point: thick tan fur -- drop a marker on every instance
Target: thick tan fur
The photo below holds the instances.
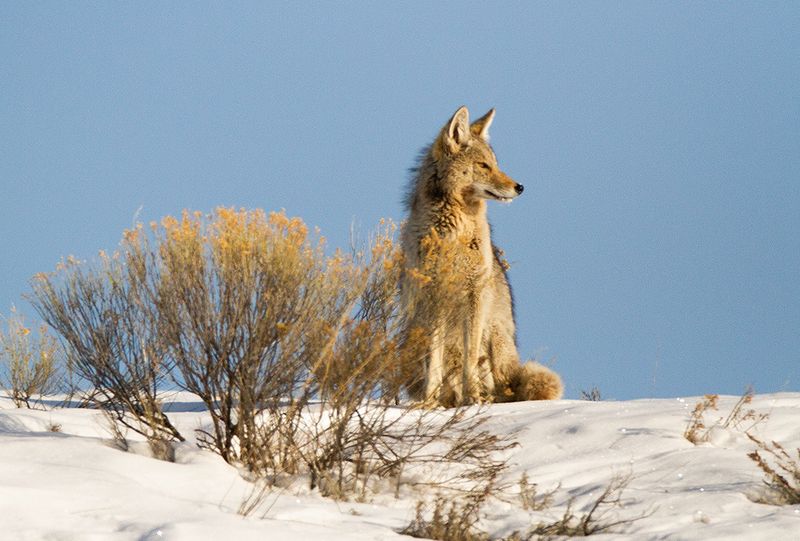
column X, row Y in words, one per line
column 470, row 357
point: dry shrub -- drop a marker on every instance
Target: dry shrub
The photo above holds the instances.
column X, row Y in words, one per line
column 356, row 453
column 742, row 418
column 530, row 496
column 368, row 357
column 781, row 472
column 250, row 310
column 30, row 362
column 696, row 430
column 454, row 513
column 107, row 317
column 592, row 395
column 739, row 418
column 446, row 521
column 599, row 516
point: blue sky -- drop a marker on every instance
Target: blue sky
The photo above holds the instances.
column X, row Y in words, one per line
column 655, row 251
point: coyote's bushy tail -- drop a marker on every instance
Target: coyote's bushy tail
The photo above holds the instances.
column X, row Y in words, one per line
column 531, row 381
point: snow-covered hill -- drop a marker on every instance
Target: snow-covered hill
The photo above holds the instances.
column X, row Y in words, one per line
column 71, row 484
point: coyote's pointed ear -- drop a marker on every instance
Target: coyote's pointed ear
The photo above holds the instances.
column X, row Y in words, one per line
column 456, row 134
column 480, row 128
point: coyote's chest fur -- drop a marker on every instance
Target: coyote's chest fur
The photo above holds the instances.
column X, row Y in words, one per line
column 465, row 232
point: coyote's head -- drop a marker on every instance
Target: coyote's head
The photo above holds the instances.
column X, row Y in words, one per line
column 465, row 165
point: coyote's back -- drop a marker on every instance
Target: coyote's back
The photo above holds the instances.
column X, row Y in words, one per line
column 455, row 287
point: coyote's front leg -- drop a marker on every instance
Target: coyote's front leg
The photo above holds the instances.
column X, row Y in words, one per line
column 475, row 381
column 435, row 369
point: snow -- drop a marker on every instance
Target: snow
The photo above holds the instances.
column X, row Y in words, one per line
column 73, row 485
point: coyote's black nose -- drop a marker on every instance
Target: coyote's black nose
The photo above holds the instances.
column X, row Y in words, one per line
column 519, row 188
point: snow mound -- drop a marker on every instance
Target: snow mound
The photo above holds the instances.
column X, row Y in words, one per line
column 72, row 485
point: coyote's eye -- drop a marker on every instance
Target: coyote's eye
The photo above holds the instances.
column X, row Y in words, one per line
column 485, row 166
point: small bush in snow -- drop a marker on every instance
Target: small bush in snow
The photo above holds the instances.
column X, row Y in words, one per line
column 781, row 472
column 696, row 430
column 29, row 363
column 599, row 517
column 446, row 521
column 453, row 517
column 592, row 395
column 740, row 417
column 531, row 498
column 250, row 307
column 457, row 519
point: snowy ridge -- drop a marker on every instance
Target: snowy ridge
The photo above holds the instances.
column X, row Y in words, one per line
column 71, row 485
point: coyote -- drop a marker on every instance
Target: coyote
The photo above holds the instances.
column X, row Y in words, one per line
column 454, row 285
